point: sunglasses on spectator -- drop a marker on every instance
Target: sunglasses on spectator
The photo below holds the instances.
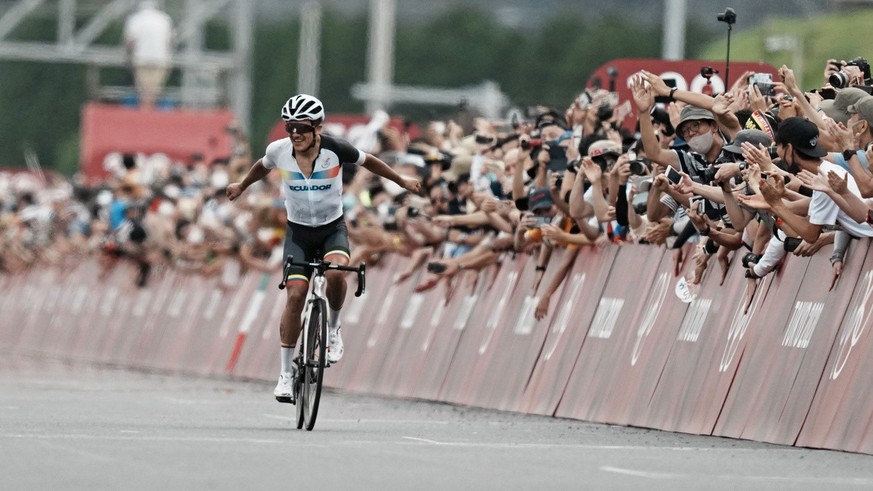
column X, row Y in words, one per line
column 298, row 128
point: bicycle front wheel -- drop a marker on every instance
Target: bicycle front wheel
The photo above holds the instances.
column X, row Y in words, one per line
column 313, row 372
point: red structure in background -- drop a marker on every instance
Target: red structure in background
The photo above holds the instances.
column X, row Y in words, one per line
column 108, row 128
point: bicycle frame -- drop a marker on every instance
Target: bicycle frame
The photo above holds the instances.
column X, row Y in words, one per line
column 316, row 293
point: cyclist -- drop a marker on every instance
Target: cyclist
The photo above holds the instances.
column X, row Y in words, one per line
column 310, row 164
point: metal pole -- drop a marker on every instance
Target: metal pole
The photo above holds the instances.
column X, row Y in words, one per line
column 309, row 58
column 674, row 29
column 381, row 52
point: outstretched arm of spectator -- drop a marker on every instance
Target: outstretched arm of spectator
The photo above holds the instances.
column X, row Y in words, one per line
column 254, row 262
column 662, row 89
column 655, row 210
column 645, row 101
column 563, row 270
column 790, row 84
column 595, row 177
column 845, row 140
column 773, row 195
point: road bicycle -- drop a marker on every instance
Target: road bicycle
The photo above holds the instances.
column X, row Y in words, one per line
column 312, row 343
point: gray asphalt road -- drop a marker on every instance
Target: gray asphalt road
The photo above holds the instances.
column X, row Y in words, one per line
column 85, row 428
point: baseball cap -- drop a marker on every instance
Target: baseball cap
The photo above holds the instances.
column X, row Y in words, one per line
column 754, row 137
column 693, row 113
column 863, row 108
column 802, row 134
column 540, row 199
column 837, row 108
column 603, row 147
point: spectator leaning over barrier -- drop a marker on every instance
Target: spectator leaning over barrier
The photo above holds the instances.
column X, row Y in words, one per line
column 310, row 165
column 797, row 145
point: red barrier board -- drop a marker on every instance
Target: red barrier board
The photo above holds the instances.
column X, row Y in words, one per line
column 799, row 351
column 701, row 365
column 407, row 356
column 632, row 274
column 749, row 400
column 516, row 343
column 444, row 331
column 570, row 312
column 465, row 374
column 664, row 319
column 844, row 399
column 368, row 326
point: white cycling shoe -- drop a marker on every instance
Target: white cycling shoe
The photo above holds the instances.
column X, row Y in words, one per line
column 335, row 345
column 284, row 390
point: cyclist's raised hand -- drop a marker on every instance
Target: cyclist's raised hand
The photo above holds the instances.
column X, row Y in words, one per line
column 411, row 184
column 233, row 190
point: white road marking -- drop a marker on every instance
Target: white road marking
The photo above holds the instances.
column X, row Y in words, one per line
column 483, row 445
column 649, row 475
column 422, row 440
column 858, row 481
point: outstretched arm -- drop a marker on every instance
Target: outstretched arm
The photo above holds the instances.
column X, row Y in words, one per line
column 255, row 174
column 380, row 168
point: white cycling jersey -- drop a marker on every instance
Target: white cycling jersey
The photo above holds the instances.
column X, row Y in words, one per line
column 317, row 199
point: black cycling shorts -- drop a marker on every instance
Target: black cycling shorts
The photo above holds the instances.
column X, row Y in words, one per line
column 305, row 243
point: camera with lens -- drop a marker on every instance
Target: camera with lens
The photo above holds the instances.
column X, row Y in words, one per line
column 639, row 167
column 531, row 143
column 841, row 79
column 729, row 16
column 707, row 175
column 641, row 199
column 604, row 112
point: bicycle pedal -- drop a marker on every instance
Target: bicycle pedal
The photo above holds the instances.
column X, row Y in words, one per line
column 285, row 400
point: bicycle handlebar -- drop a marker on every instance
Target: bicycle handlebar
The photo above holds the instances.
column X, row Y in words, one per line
column 320, row 267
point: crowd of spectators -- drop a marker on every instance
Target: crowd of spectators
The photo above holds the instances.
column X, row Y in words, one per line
column 744, row 177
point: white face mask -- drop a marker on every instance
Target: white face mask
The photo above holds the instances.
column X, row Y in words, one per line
column 701, row 143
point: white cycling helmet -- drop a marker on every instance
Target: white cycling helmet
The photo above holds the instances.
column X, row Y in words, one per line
column 302, row 107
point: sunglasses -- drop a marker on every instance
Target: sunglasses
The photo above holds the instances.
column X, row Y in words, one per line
column 298, row 128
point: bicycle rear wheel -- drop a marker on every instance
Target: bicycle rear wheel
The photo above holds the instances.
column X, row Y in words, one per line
column 313, row 372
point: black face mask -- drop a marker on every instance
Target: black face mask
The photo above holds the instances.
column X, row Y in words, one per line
column 792, row 168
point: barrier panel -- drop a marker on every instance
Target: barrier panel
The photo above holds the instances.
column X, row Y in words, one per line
column 753, row 394
column 406, row 357
column 465, row 374
column 368, row 322
column 571, row 312
column 515, row 343
column 794, row 356
column 663, row 320
column 701, row 363
column 843, row 392
column 590, row 384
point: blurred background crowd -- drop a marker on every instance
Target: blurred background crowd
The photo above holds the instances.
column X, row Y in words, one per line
column 710, row 176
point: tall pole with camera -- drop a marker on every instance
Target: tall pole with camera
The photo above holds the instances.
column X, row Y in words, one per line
column 729, row 16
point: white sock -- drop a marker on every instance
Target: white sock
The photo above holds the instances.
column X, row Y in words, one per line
column 287, row 358
column 333, row 317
